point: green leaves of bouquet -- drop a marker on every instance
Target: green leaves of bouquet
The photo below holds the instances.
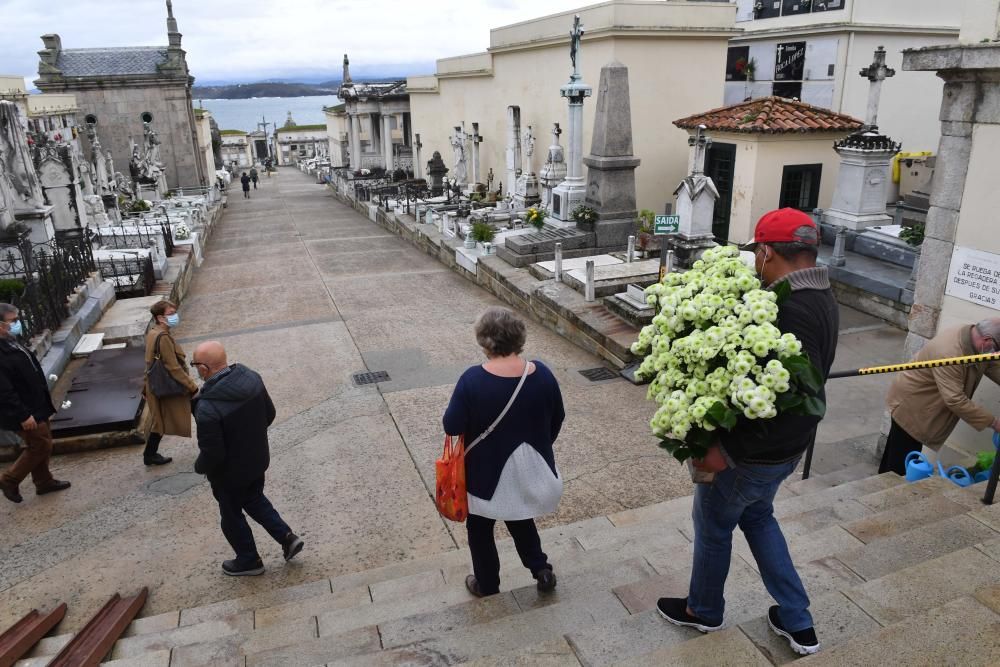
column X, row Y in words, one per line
column 715, row 357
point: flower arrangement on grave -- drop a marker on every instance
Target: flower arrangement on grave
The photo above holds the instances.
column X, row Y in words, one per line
column 644, row 222
column 482, row 232
column 536, row 217
column 181, row 232
column 715, row 356
column 913, row 234
column 584, row 215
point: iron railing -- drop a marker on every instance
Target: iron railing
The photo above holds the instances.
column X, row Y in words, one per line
column 51, row 272
column 132, row 275
column 137, row 236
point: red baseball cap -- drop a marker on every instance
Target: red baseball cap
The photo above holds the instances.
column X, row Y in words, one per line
column 784, row 225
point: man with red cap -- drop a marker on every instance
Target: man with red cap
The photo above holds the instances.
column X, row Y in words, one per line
column 749, row 464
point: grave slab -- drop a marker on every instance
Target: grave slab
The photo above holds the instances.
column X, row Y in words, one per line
column 546, row 270
column 612, row 279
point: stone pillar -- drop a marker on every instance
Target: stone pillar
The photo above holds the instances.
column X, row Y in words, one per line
column 968, row 85
column 611, row 164
column 387, row 141
column 374, row 132
column 418, row 166
column 476, row 140
column 355, row 142
column 570, row 193
column 513, row 152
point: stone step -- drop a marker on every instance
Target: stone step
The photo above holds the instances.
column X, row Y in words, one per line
column 835, row 478
column 889, row 554
column 836, row 618
column 726, row 648
column 909, row 517
column 960, row 632
column 554, row 653
column 928, row 584
column 835, row 495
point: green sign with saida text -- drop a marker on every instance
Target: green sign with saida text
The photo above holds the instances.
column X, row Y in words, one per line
column 666, row 224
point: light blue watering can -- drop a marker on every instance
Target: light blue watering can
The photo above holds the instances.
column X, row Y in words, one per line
column 917, row 467
column 956, row 474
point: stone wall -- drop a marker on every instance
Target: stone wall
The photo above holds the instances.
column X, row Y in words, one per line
column 118, row 111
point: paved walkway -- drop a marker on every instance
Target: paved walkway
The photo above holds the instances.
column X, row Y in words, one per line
column 308, row 292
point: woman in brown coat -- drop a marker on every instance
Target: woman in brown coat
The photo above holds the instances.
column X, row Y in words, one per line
column 171, row 415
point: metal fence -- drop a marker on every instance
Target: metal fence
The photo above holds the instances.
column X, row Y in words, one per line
column 136, row 236
column 132, row 276
column 50, row 273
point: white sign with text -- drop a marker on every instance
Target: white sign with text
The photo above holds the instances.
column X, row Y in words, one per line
column 974, row 276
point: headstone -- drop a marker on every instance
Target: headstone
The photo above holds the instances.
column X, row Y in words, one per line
column 859, row 199
column 460, row 170
column 513, row 151
column 476, row 140
column 554, row 170
column 56, row 166
column 611, row 164
column 436, row 170
column 417, row 164
column 696, row 197
column 571, row 192
column 526, row 188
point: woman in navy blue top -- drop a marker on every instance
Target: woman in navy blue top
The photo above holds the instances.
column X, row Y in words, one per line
column 511, row 474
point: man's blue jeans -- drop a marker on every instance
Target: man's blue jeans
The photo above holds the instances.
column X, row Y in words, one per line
column 744, row 496
column 250, row 499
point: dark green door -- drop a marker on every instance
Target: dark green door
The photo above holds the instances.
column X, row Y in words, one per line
column 720, row 164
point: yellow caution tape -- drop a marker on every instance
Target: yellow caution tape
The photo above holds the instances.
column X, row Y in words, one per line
column 904, row 156
column 916, row 365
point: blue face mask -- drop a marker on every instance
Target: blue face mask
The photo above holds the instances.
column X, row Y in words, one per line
column 173, row 320
column 15, row 328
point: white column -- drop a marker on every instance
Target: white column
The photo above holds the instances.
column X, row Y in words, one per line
column 355, row 137
column 376, row 139
column 387, row 140
column 575, row 162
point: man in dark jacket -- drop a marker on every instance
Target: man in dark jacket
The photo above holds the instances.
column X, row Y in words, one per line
column 233, row 411
column 750, row 465
column 25, row 408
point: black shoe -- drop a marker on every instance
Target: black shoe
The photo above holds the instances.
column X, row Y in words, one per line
column 291, row 546
column 156, row 460
column 675, row 611
column 546, row 580
column 233, row 569
column 52, row 487
column 803, row 642
column 10, row 492
column 473, row 586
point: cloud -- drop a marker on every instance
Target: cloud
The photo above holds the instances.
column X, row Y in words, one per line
column 245, row 40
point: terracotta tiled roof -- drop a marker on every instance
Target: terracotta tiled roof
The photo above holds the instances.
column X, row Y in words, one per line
column 771, row 115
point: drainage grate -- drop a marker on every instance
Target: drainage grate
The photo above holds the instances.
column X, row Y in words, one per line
column 370, row 378
column 598, row 374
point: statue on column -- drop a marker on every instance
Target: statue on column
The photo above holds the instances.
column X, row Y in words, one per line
column 458, row 146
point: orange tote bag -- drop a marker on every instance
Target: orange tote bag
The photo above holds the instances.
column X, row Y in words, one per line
column 450, row 494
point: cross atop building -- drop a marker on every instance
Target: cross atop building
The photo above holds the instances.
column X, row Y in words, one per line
column 876, row 73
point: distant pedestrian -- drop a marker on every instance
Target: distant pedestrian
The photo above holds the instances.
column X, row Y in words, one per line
column 25, row 408
column 511, row 473
column 927, row 403
column 253, row 176
column 171, row 414
column 245, row 180
column 233, row 411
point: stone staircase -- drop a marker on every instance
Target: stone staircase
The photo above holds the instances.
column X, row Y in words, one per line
column 902, row 572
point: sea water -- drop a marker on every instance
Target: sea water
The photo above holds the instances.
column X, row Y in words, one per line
column 246, row 114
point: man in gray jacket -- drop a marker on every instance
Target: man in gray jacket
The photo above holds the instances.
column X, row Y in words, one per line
column 233, row 411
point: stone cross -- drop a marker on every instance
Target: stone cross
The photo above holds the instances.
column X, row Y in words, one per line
column 417, row 165
column 458, row 147
column 346, row 78
column 876, row 73
column 700, row 143
column 476, row 139
column 574, row 46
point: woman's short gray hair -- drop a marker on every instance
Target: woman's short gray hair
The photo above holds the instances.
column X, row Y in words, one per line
column 500, row 332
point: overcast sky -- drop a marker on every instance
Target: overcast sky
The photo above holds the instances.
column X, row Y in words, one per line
column 250, row 40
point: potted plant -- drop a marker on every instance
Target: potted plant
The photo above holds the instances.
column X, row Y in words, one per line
column 535, row 217
column 482, row 232
column 913, row 234
column 585, row 217
column 644, row 224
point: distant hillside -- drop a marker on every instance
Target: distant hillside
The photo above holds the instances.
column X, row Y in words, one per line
column 243, row 91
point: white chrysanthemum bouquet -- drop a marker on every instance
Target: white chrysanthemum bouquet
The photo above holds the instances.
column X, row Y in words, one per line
column 714, row 355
